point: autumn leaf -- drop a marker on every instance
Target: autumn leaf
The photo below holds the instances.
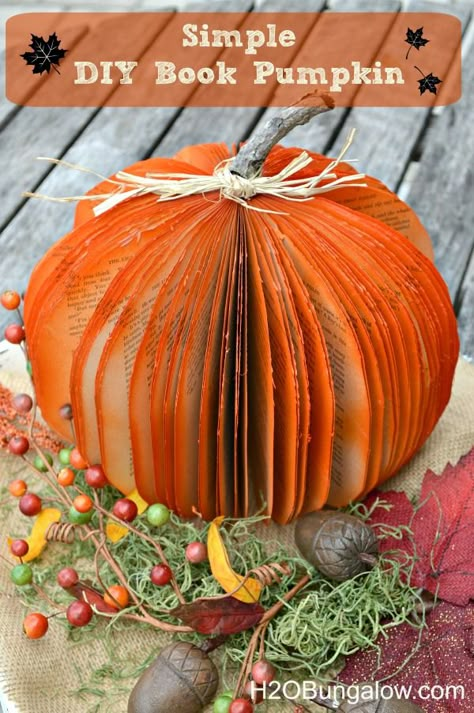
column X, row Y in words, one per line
column 230, row 581
column 415, row 39
column 428, row 83
column 46, row 54
column 442, row 526
column 225, row 615
column 443, row 529
column 86, row 592
column 445, row 657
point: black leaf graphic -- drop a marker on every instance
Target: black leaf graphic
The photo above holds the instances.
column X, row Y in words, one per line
column 46, row 54
column 415, row 39
column 428, row 83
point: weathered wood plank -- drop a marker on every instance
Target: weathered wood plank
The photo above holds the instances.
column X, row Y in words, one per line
column 465, row 304
column 48, row 132
column 442, row 195
column 223, row 124
column 114, row 138
column 51, row 131
column 386, row 137
column 319, row 135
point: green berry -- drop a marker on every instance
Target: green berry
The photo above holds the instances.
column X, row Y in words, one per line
column 222, row 703
column 158, row 514
column 80, row 518
column 64, row 456
column 39, row 464
column 29, row 369
column 21, row 574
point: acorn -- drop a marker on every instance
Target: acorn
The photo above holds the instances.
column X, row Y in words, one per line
column 339, row 545
column 378, row 705
column 182, row 679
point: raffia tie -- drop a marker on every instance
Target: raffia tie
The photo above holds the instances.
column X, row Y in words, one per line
column 172, row 186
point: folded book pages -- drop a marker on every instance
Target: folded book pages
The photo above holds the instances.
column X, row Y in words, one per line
column 227, row 355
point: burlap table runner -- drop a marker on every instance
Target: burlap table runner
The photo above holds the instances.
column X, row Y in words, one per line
column 41, row 676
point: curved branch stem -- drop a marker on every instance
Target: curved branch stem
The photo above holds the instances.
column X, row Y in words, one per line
column 249, row 161
column 143, row 536
column 259, row 633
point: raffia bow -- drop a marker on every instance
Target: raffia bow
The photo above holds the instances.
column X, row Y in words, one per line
column 172, row 186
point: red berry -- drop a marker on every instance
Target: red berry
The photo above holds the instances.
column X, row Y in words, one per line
column 18, row 445
column 22, row 403
column 241, row 705
column 125, row 509
column 95, row 477
column 196, row 552
column 79, row 613
column 66, row 477
column 65, row 412
column 35, row 625
column 263, row 671
column 67, row 577
column 19, row 548
column 17, row 488
column 10, row 300
column 30, row 504
column 76, row 460
column 161, row 574
column 83, row 503
column 14, row 333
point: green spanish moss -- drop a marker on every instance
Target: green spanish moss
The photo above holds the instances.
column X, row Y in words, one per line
column 309, row 638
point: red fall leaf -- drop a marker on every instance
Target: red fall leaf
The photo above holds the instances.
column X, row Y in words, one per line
column 443, row 531
column 444, row 659
column 219, row 616
column 86, row 592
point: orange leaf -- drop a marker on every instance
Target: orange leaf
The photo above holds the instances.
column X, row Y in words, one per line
column 37, row 539
column 221, row 568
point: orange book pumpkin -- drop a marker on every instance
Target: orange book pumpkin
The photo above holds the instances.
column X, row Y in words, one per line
column 221, row 356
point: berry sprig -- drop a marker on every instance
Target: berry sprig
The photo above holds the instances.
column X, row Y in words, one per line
column 84, row 515
column 14, row 332
column 78, row 509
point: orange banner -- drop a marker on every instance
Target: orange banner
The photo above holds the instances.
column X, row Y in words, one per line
column 232, row 59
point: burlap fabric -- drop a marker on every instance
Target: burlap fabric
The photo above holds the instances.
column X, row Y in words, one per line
column 40, row 676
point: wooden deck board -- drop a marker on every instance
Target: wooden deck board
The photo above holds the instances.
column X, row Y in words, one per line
column 442, row 195
column 319, row 135
column 386, row 137
column 228, row 125
column 46, row 132
column 107, row 140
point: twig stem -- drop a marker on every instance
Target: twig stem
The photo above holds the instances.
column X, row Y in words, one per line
column 250, row 159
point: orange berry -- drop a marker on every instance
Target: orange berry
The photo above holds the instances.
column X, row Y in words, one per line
column 116, row 596
column 66, row 477
column 10, row 300
column 17, row 488
column 83, row 503
column 76, row 460
column 35, row 625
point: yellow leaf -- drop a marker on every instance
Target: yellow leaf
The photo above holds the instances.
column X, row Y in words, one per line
column 114, row 531
column 222, row 570
column 37, row 539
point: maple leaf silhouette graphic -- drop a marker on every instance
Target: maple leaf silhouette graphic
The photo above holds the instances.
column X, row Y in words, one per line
column 46, row 54
column 415, row 39
column 428, row 83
